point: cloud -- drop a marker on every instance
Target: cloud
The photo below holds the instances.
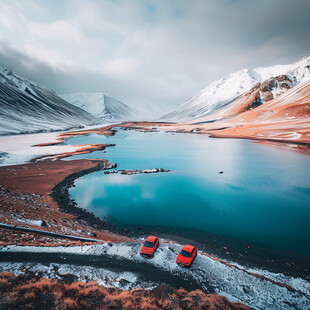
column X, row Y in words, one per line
column 120, row 66
column 69, row 78
column 5, row 21
column 57, row 29
column 44, row 55
column 145, row 51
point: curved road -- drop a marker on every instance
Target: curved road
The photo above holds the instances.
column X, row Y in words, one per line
column 146, row 272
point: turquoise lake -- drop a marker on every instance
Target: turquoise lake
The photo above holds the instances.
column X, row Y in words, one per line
column 262, row 197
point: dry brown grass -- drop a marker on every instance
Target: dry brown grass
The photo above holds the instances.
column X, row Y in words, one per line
column 28, row 291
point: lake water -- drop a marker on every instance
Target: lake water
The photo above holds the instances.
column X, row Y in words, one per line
column 262, row 197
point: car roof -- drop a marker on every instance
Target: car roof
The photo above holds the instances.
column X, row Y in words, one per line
column 151, row 238
column 188, row 248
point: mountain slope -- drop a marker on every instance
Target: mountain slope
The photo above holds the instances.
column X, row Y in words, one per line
column 26, row 106
column 255, row 97
column 221, row 94
column 285, row 118
column 293, row 104
column 100, row 105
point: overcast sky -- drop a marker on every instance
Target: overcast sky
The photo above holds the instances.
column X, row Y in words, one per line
column 159, row 51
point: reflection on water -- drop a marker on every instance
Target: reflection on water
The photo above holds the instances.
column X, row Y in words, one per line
column 262, row 196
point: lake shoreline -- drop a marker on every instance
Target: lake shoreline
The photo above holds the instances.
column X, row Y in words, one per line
column 231, row 249
column 270, row 136
column 102, row 231
column 54, row 191
column 60, row 194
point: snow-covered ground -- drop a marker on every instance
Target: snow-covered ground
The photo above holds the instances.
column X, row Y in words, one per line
column 237, row 284
column 103, row 276
column 20, row 149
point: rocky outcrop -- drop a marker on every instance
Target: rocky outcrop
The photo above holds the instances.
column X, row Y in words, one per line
column 129, row 172
column 274, row 87
column 267, row 91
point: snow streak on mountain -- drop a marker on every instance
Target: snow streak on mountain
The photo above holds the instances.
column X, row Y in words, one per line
column 29, row 107
column 210, row 103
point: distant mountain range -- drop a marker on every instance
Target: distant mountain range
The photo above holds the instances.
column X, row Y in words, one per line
column 101, row 105
column 262, row 95
column 27, row 107
column 222, row 98
column 112, row 110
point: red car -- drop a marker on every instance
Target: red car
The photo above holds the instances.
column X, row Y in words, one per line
column 149, row 247
column 187, row 256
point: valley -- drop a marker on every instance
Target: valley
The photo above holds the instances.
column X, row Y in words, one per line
column 83, row 183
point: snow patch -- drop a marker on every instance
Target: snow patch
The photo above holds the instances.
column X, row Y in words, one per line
column 235, row 284
column 19, row 149
column 102, row 276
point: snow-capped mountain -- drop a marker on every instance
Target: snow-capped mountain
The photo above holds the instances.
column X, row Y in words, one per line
column 113, row 110
column 100, row 105
column 221, row 94
column 255, row 97
column 29, row 107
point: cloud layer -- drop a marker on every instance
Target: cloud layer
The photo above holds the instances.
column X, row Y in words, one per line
column 158, row 52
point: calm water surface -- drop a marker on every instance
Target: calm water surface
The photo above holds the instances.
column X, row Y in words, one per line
column 263, row 196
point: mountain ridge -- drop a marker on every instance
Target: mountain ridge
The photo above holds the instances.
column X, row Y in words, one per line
column 225, row 91
column 28, row 107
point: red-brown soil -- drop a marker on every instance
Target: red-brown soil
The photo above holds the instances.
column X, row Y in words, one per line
column 25, row 194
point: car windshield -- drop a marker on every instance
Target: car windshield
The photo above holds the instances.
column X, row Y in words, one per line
column 185, row 253
column 148, row 244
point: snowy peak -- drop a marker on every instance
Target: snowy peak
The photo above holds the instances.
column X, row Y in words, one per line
column 214, row 97
column 100, row 105
column 9, row 78
column 298, row 71
column 246, row 78
column 255, row 97
column 222, row 93
column 113, row 110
